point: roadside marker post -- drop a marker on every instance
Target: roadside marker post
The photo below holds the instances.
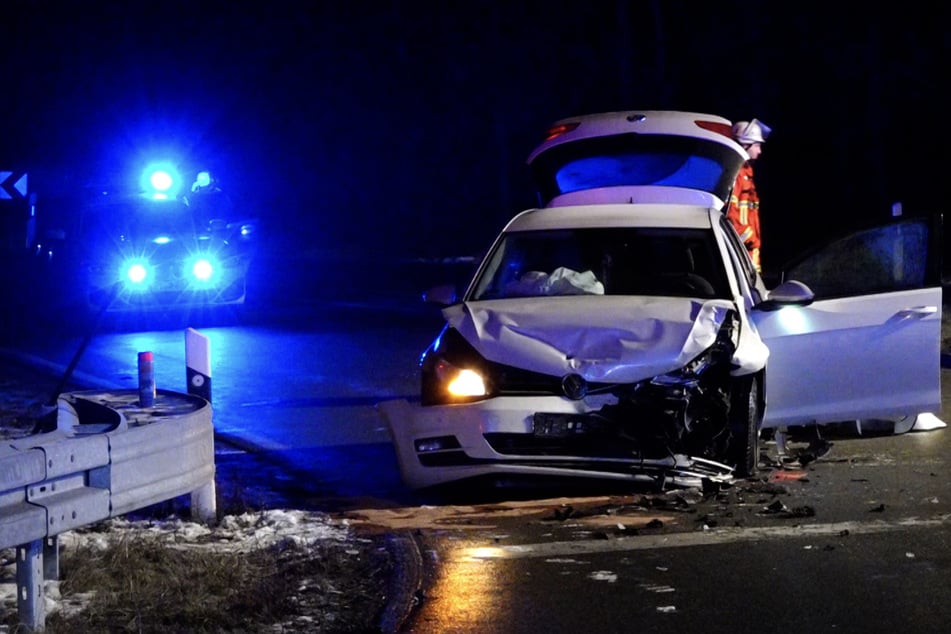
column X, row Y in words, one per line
column 198, row 364
column 146, row 380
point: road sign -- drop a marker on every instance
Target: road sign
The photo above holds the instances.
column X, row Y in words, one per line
column 12, row 185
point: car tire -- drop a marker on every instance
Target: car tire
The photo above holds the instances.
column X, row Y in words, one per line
column 745, row 414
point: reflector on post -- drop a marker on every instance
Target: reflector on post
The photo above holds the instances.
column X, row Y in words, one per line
column 198, row 364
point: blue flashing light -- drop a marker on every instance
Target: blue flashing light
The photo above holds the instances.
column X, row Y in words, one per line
column 161, row 181
column 161, row 240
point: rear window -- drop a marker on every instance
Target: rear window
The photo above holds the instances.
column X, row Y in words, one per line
column 603, row 261
column 636, row 160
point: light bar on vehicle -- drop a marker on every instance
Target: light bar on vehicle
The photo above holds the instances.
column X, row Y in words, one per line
column 161, row 181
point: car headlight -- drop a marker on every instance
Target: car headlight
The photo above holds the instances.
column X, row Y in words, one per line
column 460, row 382
column 136, row 274
column 453, row 372
column 203, row 271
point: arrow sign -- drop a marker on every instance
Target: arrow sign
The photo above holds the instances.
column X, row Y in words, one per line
column 12, row 185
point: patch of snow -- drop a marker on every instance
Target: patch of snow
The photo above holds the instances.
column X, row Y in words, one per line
column 234, row 533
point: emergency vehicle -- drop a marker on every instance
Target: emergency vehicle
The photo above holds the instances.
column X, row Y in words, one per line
column 167, row 242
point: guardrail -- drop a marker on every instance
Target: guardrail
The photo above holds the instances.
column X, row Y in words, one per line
column 108, row 456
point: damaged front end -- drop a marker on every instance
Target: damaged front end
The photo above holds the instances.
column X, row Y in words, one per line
column 684, row 411
column 670, row 428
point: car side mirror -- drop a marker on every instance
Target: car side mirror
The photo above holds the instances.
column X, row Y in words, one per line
column 791, row 293
column 443, row 295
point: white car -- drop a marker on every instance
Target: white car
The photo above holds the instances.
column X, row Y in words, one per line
column 621, row 331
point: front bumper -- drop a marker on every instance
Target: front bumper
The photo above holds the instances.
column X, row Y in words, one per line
column 503, row 437
column 171, row 289
column 230, row 294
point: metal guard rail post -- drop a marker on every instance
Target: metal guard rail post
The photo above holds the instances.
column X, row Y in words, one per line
column 108, row 456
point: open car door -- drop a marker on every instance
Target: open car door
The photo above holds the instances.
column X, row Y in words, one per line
column 868, row 346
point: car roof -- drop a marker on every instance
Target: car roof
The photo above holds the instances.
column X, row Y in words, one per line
column 612, row 215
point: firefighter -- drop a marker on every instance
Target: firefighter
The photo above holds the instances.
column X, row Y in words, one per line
column 743, row 206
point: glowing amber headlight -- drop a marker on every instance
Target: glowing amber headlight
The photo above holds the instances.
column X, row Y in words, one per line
column 467, row 383
column 452, row 372
column 460, row 382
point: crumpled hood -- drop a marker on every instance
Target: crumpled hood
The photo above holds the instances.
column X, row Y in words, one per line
column 602, row 338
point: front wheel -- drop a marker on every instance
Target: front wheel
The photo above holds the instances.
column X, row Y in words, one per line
column 745, row 414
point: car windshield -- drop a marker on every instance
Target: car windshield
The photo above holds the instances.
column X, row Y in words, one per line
column 138, row 218
column 603, row 261
column 636, row 160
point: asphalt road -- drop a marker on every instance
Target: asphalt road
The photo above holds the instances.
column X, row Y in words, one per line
column 856, row 541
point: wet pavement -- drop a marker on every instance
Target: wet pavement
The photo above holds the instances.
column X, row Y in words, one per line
column 856, row 541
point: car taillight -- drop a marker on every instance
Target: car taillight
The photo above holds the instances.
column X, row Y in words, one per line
column 715, row 126
column 559, row 129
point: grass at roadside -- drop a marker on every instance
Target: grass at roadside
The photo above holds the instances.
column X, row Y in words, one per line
column 140, row 583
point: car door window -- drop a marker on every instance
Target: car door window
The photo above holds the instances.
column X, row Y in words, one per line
column 868, row 346
column 883, row 259
column 741, row 257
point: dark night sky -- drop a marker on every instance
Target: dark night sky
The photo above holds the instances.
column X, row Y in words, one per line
column 404, row 126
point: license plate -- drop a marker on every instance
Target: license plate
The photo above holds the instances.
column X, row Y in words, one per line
column 562, row 425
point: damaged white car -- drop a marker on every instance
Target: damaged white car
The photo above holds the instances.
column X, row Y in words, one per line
column 632, row 339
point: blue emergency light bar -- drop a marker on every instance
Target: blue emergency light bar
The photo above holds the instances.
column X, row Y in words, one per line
column 161, row 181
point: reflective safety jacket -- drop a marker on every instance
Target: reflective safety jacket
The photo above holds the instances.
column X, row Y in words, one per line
column 743, row 211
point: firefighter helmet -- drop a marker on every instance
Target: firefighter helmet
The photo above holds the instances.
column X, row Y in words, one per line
column 747, row 132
